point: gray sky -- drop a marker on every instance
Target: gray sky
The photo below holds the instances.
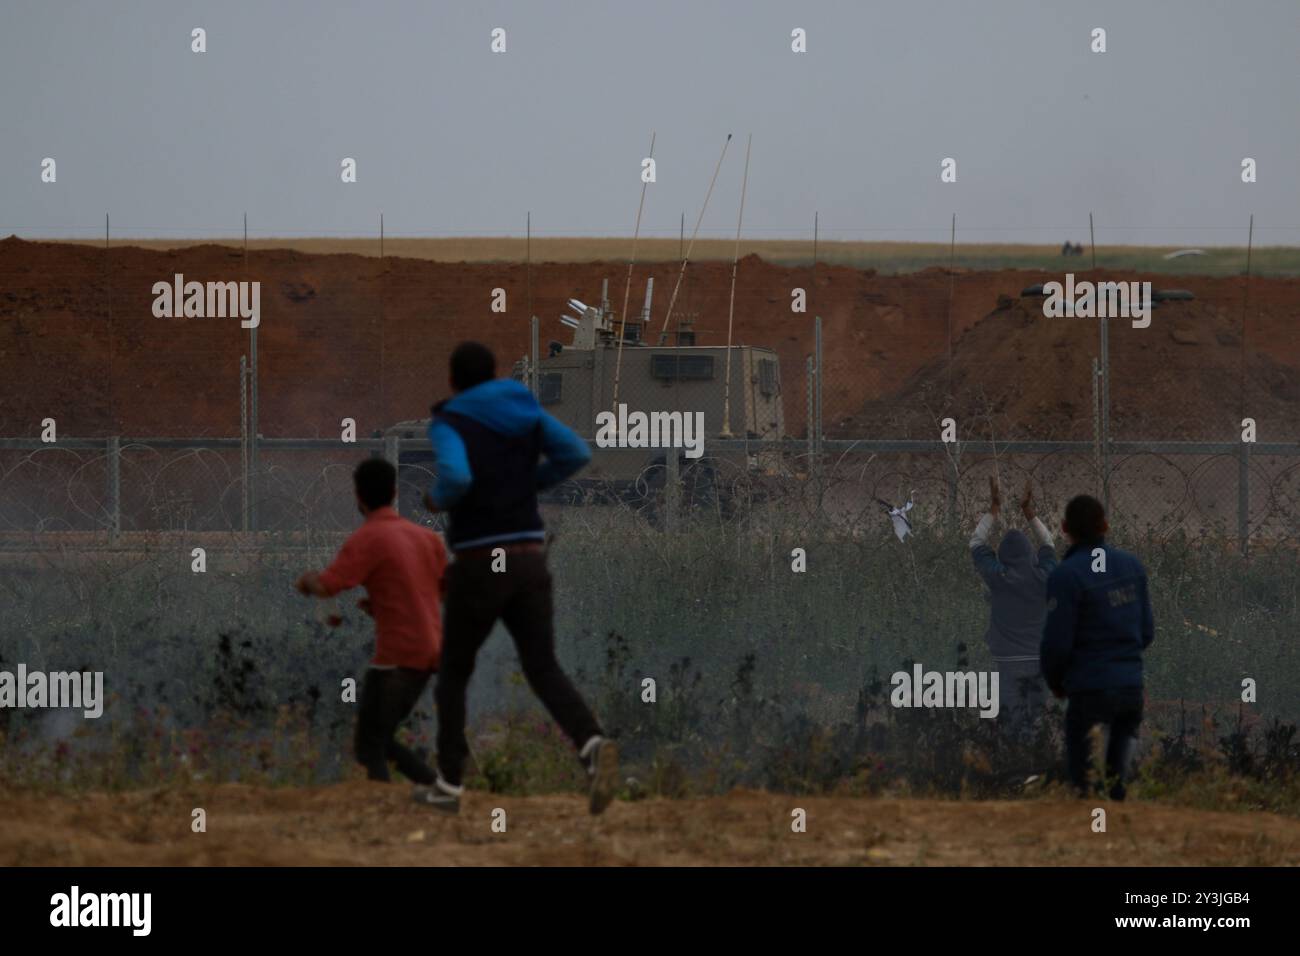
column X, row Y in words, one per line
column 451, row 139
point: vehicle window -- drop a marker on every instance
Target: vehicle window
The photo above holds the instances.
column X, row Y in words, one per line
column 682, row 367
column 550, row 387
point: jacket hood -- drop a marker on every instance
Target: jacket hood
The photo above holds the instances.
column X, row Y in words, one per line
column 503, row 405
column 1015, row 550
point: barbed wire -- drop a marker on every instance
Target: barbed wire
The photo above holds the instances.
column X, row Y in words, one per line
column 199, row 489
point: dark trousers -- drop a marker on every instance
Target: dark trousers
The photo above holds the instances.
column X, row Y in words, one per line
column 520, row 597
column 1120, row 710
column 387, row 697
column 1022, row 696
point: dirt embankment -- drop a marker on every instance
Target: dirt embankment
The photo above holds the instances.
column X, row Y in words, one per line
column 368, row 339
column 1016, row 374
column 370, row 824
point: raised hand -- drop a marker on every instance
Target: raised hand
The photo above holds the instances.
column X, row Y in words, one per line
column 995, row 496
column 1027, row 502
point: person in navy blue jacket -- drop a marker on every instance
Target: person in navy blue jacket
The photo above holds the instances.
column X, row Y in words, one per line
column 494, row 448
column 1098, row 624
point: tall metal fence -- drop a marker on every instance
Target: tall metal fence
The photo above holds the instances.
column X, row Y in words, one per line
column 102, row 489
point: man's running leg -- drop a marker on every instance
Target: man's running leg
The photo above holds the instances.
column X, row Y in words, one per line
column 528, row 615
column 374, row 727
column 407, row 684
column 473, row 600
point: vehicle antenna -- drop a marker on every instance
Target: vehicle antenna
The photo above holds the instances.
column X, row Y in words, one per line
column 663, row 333
column 731, row 305
column 627, row 288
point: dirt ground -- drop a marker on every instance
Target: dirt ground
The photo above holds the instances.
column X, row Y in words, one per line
column 367, row 824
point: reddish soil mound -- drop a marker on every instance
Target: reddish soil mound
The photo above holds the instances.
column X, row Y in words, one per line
column 1017, row 374
column 351, row 336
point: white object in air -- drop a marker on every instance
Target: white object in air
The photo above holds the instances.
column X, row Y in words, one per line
column 1185, row 252
column 902, row 527
column 569, row 321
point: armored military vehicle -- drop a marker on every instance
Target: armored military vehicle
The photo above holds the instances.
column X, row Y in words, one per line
column 608, row 374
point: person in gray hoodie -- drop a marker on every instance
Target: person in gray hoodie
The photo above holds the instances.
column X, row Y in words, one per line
column 1016, row 578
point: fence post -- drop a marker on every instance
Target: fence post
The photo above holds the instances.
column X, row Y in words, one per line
column 243, row 442
column 672, row 489
column 1096, row 418
column 817, row 324
column 254, row 466
column 392, row 454
column 1243, row 498
column 811, row 371
column 534, row 381
column 954, row 481
column 1105, row 414
column 114, row 489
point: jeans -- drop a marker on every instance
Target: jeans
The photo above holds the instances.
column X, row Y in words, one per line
column 1121, row 710
column 520, row 597
column 387, row 697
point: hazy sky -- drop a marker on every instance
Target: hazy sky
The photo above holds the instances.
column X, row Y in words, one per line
column 452, row 139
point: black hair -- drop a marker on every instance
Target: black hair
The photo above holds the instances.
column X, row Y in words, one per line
column 376, row 482
column 472, row 363
column 1085, row 518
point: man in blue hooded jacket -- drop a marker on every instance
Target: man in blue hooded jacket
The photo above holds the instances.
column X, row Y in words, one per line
column 495, row 448
column 1099, row 622
column 1016, row 578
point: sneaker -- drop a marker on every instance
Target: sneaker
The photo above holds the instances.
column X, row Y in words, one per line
column 440, row 795
column 600, row 756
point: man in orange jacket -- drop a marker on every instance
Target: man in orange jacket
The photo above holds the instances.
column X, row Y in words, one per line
column 401, row 565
